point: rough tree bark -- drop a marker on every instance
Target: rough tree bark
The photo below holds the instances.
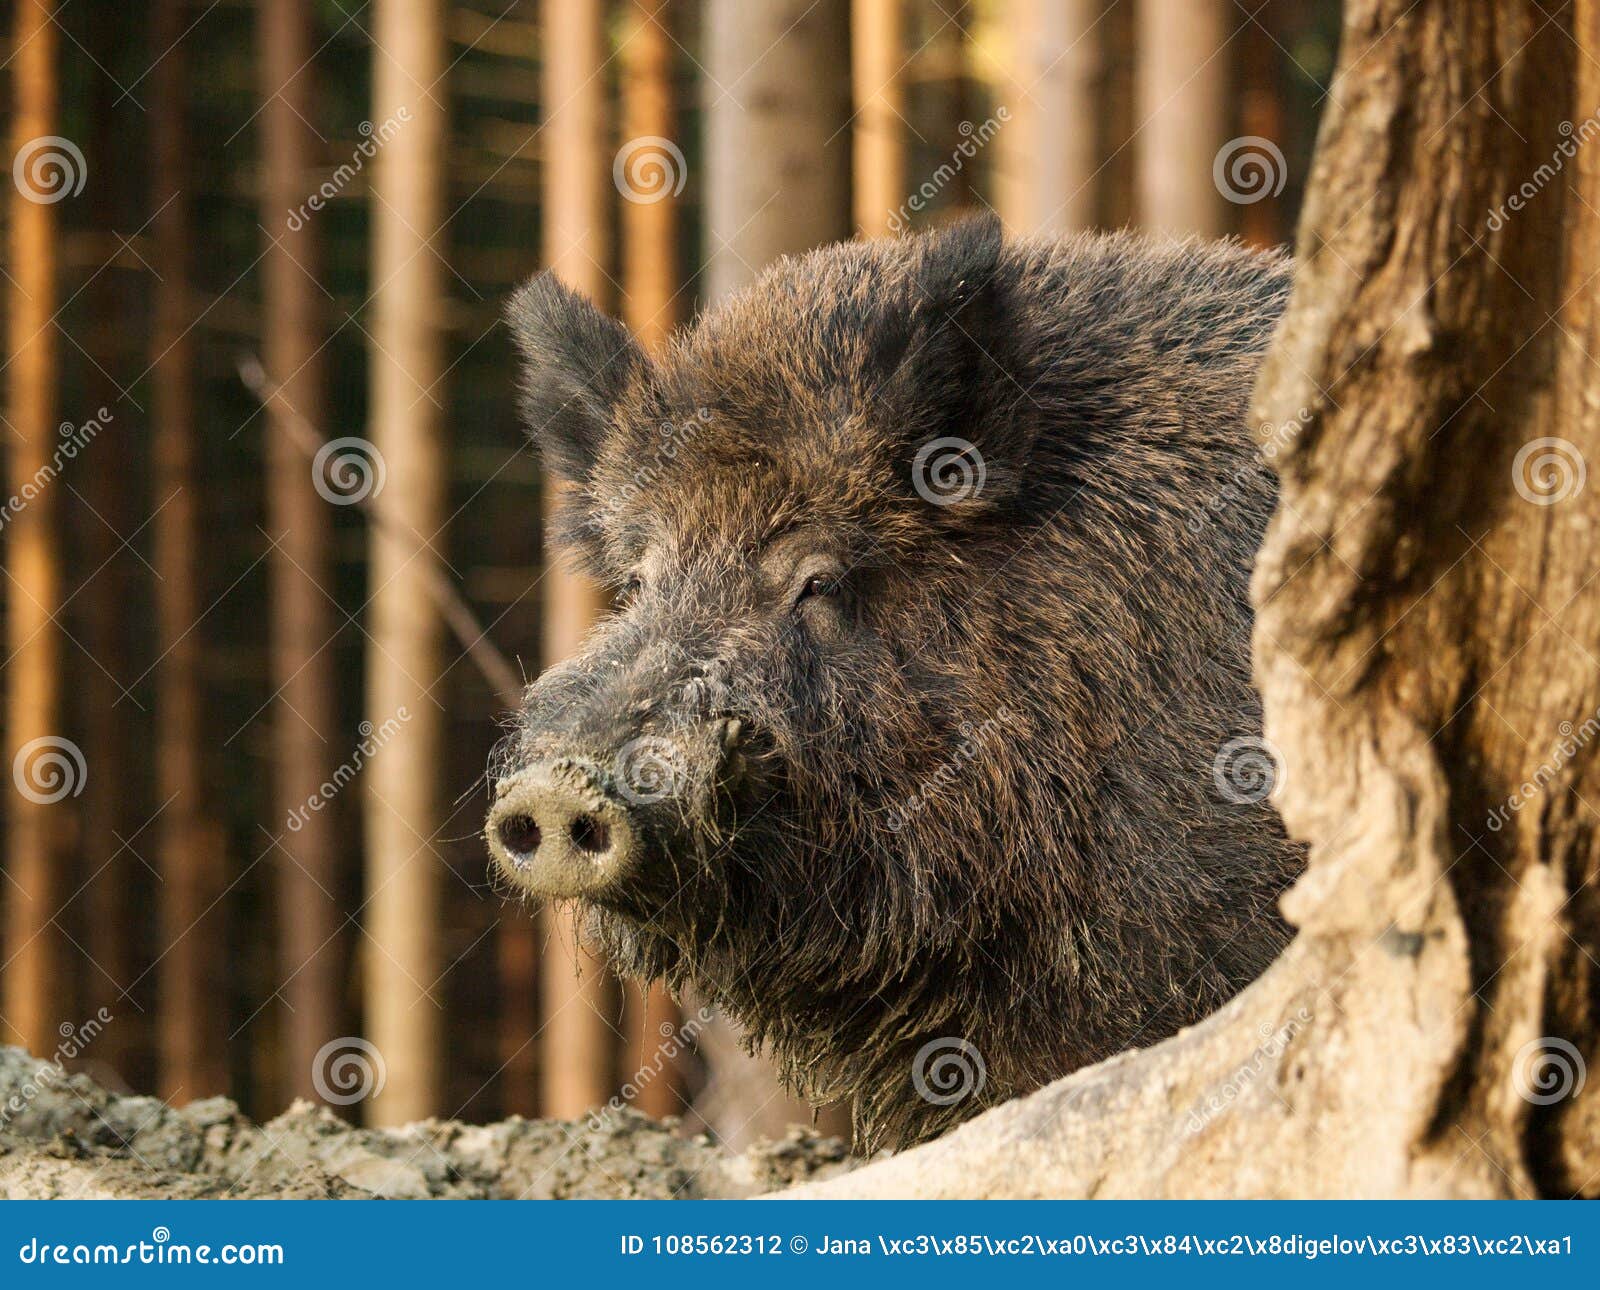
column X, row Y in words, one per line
column 1426, row 637
column 294, row 334
column 578, row 1044
column 402, row 799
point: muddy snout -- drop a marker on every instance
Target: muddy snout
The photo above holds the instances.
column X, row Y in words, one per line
column 559, row 829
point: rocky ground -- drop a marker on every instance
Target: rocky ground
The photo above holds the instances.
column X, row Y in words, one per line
column 65, row 1136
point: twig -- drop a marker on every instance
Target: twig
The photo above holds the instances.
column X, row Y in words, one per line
column 503, row 679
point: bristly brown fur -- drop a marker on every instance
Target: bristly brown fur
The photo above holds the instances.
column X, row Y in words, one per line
column 979, row 799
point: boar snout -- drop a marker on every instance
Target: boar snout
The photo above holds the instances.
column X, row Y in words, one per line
column 558, row 831
column 602, row 827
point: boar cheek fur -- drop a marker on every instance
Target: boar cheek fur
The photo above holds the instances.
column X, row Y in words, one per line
column 1057, row 660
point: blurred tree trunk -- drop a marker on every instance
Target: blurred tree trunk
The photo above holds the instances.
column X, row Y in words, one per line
column 293, row 336
column 1048, row 152
column 1182, row 114
column 878, row 58
column 408, row 491
column 37, row 757
column 1261, row 117
column 578, row 1042
column 777, row 147
column 113, row 796
column 190, row 972
column 777, row 182
column 1428, row 605
column 651, row 292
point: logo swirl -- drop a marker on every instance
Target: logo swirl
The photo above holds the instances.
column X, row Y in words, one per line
column 648, row 169
column 48, row 169
column 1547, row 471
column 1547, row 1069
column 347, row 1070
column 347, row 471
column 649, row 769
column 48, row 769
column 1248, row 169
column 1246, row 770
column 949, row 470
column 948, row 1070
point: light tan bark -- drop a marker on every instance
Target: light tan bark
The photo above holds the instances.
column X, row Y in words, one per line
column 1183, row 52
column 402, row 800
column 1048, row 151
column 305, row 857
column 32, row 690
column 878, row 58
column 1428, row 604
column 577, row 1038
column 777, row 152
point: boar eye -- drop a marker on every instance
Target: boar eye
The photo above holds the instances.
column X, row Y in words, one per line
column 818, row 585
column 632, row 587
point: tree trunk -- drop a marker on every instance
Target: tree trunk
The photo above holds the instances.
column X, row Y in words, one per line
column 402, row 473
column 878, row 59
column 578, row 1040
column 651, row 292
column 192, row 1032
column 1049, row 153
column 777, row 182
column 114, row 796
column 1427, row 604
column 777, row 149
column 44, row 766
column 1182, row 114
column 305, row 857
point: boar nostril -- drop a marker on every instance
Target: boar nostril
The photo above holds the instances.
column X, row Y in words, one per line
column 590, row 834
column 519, row 834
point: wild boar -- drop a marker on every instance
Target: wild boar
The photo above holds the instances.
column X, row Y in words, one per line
column 902, row 744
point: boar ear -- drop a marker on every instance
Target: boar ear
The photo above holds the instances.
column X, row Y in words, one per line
column 577, row 363
column 954, row 365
